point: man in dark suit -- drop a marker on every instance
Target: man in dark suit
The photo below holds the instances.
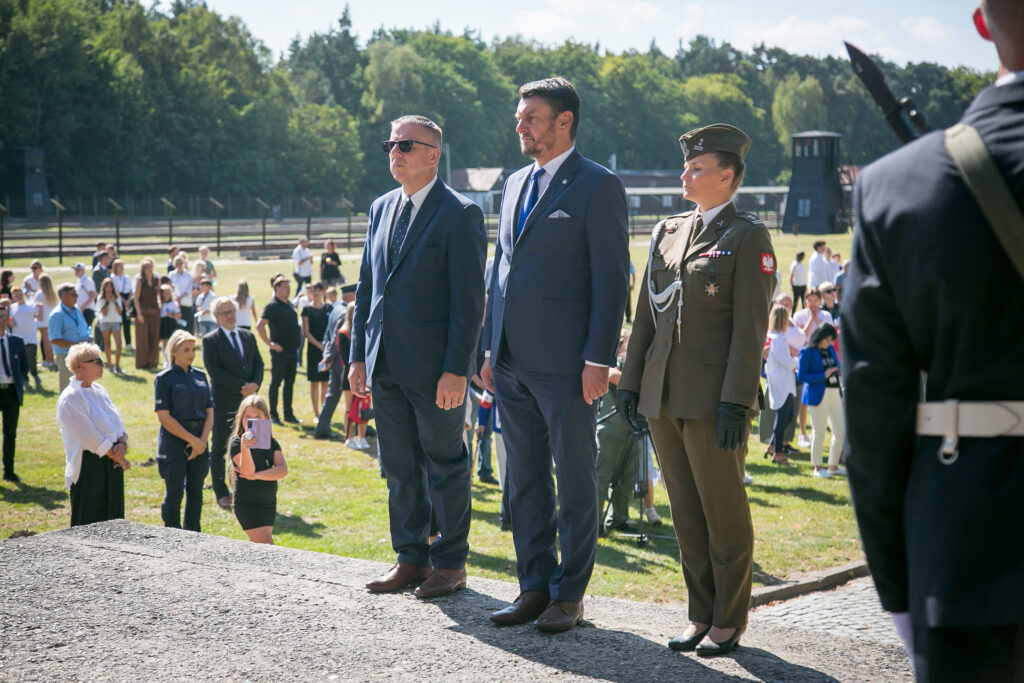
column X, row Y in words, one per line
column 419, row 302
column 13, row 371
column 558, row 292
column 936, row 513
column 235, row 367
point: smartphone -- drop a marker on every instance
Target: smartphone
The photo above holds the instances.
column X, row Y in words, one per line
column 261, row 432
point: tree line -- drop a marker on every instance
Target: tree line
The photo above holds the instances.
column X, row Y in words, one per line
column 126, row 99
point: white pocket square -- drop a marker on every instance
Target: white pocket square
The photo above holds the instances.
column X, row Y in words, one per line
column 559, row 214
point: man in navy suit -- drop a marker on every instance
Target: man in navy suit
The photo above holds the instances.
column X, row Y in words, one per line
column 558, row 292
column 419, row 302
column 13, row 370
column 235, row 366
column 935, row 505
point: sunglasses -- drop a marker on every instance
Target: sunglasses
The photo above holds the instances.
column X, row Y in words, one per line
column 827, row 291
column 404, row 146
column 97, row 361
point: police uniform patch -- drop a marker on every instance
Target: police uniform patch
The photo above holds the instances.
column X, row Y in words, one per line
column 767, row 263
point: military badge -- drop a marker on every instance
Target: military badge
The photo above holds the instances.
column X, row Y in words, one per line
column 767, row 263
column 711, row 288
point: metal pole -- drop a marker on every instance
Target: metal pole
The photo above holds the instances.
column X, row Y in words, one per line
column 3, row 213
column 219, row 207
column 60, row 229
column 117, row 223
column 309, row 217
column 170, row 219
column 263, row 210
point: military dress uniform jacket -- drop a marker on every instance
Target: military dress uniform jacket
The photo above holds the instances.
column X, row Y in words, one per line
column 728, row 275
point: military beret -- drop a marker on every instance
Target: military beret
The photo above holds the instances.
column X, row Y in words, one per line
column 718, row 137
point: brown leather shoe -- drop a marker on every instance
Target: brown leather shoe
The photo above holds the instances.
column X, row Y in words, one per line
column 561, row 615
column 442, row 582
column 527, row 607
column 398, row 577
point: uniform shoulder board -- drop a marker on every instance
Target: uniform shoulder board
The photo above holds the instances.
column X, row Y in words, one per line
column 750, row 217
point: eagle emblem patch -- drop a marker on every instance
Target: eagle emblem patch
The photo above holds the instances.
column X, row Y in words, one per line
column 767, row 263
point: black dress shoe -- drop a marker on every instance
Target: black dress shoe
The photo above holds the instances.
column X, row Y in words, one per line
column 325, row 437
column 684, row 644
column 713, row 649
column 527, row 607
column 292, row 419
column 488, row 479
column 276, row 420
column 12, row 477
column 370, row 431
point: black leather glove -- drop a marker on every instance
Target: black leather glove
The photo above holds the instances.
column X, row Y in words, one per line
column 625, row 405
column 731, row 426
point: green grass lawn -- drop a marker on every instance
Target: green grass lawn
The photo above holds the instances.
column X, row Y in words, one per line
column 334, row 500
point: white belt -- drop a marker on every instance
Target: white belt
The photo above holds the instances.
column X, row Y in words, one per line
column 952, row 419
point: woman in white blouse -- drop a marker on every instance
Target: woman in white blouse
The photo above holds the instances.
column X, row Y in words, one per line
column 780, row 369
column 95, row 442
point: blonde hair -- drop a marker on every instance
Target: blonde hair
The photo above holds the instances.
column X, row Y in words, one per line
column 46, row 288
column 177, row 339
column 75, row 353
column 166, row 289
column 147, row 261
column 350, row 309
column 778, row 318
column 242, row 293
column 113, row 266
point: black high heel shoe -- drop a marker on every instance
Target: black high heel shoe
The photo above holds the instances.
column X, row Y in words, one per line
column 682, row 644
column 713, row 649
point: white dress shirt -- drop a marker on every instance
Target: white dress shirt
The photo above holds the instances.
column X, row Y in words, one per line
column 88, row 421
column 550, row 169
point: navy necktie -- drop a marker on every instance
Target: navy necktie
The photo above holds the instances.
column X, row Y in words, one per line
column 401, row 228
column 3, row 349
column 529, row 201
column 237, row 344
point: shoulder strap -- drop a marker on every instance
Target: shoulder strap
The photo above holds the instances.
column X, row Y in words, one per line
column 989, row 188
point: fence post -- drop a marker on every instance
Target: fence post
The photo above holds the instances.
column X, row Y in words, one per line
column 309, row 217
column 264, row 207
column 117, row 223
column 348, row 230
column 170, row 219
column 3, row 212
column 60, row 229
column 220, row 207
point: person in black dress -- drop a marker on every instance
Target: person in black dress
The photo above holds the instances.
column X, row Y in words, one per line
column 255, row 474
column 330, row 266
column 314, row 324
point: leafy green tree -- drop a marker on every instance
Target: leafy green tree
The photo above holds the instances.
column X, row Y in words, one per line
column 798, row 105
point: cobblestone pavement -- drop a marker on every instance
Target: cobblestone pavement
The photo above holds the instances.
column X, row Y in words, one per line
column 851, row 610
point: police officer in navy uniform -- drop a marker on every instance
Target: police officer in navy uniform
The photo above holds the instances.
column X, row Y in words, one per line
column 184, row 406
column 941, row 525
column 693, row 369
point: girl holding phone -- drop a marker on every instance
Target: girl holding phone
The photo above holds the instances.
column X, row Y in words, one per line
column 255, row 472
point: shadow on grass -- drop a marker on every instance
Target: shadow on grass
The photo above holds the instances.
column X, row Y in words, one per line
column 761, row 502
column 764, row 578
column 42, row 391
column 295, row 524
column 48, row 499
column 805, row 493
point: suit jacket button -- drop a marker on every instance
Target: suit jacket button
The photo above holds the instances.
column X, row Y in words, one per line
column 513, row 267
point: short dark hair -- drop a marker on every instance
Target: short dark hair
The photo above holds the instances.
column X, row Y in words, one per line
column 826, row 331
column 560, row 94
column 728, row 160
column 818, row 244
column 800, row 256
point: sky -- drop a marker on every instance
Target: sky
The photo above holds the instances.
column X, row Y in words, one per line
column 900, row 30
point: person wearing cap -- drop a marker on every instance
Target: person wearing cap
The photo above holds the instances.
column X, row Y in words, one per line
column 692, row 369
column 283, row 343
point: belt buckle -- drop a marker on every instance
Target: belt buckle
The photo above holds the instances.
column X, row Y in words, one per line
column 949, row 449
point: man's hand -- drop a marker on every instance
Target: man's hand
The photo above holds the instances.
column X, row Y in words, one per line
column 487, row 375
column 731, row 426
column 249, row 388
column 626, row 407
column 357, row 379
column 451, row 391
column 595, row 382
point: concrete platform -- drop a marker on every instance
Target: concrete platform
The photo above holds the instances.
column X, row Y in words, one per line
column 127, row 601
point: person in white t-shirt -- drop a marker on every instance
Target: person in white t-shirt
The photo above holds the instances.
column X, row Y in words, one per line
column 25, row 316
column 31, row 282
column 821, row 269
column 303, row 264
column 798, row 278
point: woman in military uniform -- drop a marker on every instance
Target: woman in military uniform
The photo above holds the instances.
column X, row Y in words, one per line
column 693, row 369
column 185, row 409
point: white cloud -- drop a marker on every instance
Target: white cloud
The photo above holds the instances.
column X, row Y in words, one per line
column 927, row 30
column 587, row 20
column 807, row 36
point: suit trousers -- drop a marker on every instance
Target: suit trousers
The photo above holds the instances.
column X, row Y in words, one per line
column 954, row 654
column 224, row 410
column 711, row 516
column 147, row 339
column 545, row 420
column 427, row 467
column 282, row 369
column 334, row 393
column 10, row 408
column 183, row 477
column 98, row 495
